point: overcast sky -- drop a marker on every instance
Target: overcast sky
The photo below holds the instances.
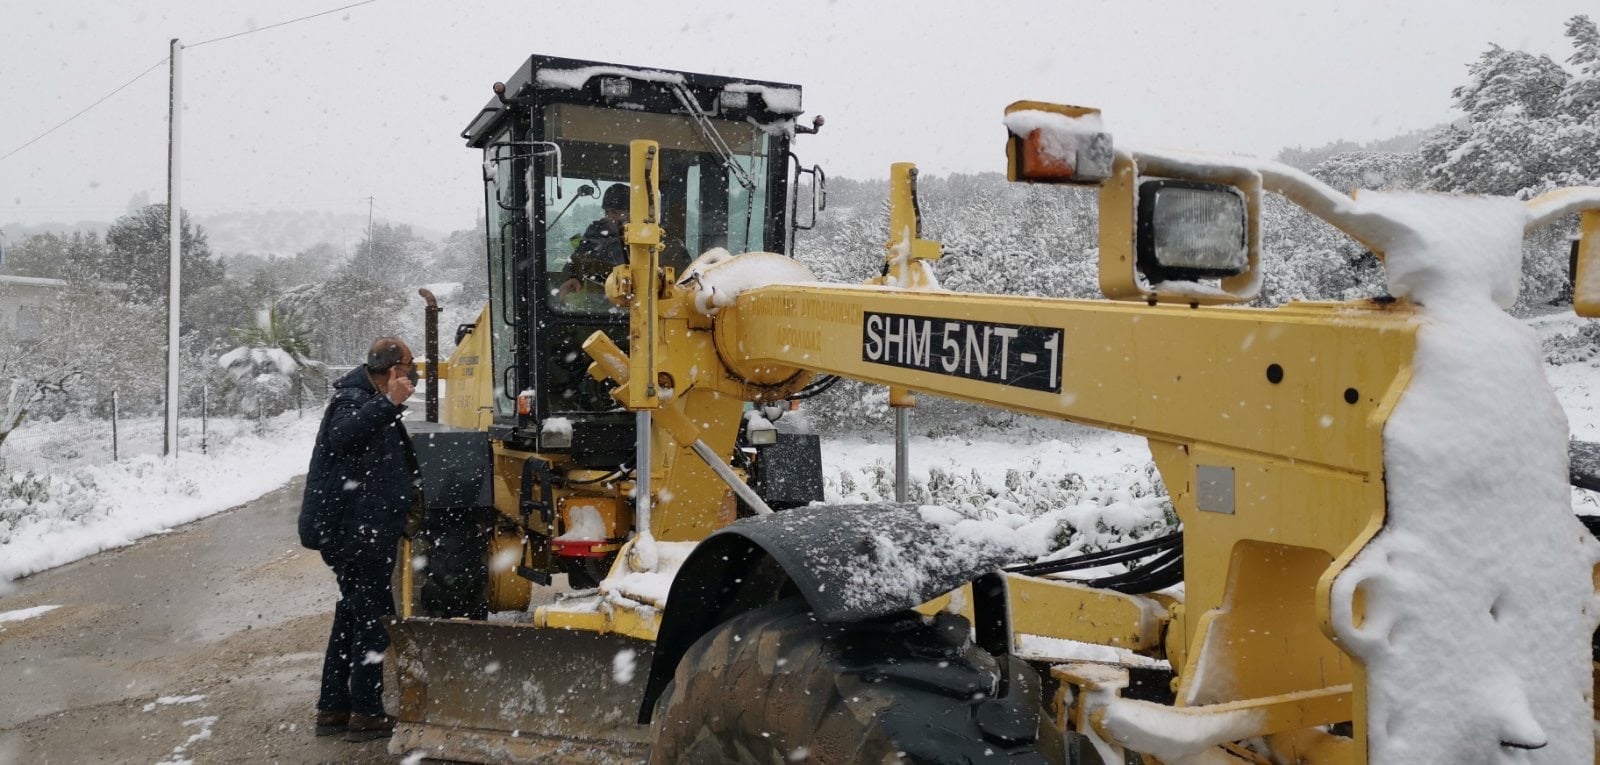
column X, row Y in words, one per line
column 320, row 114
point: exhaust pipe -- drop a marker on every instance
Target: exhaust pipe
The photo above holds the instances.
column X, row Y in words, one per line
column 430, row 335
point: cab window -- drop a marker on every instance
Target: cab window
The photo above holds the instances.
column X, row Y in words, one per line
column 706, row 201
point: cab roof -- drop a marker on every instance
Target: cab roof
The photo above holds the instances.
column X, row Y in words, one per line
column 550, row 79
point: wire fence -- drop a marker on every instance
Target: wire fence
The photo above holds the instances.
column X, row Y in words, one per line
column 121, row 427
column 41, row 443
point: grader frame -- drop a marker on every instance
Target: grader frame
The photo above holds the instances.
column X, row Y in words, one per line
column 1267, row 426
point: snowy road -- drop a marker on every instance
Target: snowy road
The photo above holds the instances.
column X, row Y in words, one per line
column 202, row 644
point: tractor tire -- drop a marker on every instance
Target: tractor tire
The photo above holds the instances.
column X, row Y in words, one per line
column 585, row 573
column 454, row 579
column 777, row 686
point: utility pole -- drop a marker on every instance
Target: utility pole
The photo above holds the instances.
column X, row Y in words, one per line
column 370, row 250
column 175, row 235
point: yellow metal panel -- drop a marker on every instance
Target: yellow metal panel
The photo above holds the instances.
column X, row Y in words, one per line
column 643, row 235
column 1179, row 373
column 640, row 622
column 1057, row 609
column 469, row 382
column 1586, row 279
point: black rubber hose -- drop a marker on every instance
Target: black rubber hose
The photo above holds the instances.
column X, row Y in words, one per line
column 1103, row 557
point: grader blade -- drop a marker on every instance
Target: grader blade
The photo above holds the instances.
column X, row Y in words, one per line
column 491, row 692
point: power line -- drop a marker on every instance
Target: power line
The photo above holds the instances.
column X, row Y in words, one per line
column 152, row 68
column 63, row 123
column 279, row 24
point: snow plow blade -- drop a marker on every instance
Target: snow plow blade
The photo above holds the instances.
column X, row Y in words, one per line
column 498, row 692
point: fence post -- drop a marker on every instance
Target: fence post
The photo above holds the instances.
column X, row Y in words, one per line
column 114, row 403
column 205, row 411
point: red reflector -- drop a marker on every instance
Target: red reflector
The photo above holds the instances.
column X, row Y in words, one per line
column 580, row 548
column 1038, row 163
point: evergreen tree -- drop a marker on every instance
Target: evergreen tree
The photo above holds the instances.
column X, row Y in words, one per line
column 138, row 252
column 1582, row 94
column 393, row 256
column 56, row 256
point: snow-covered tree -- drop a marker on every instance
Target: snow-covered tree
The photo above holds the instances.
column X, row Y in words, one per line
column 1530, row 125
column 394, row 256
column 56, row 256
column 1582, row 93
column 269, row 364
column 27, row 380
column 138, row 251
column 344, row 314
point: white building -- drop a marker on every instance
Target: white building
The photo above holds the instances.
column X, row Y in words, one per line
column 23, row 300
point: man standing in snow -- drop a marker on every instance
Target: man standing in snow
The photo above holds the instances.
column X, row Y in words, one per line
column 362, row 483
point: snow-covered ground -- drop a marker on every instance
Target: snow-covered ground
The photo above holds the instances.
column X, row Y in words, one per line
column 64, row 498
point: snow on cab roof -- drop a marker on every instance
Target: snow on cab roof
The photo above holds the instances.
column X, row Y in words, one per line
column 573, row 79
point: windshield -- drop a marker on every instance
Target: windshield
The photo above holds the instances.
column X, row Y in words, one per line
column 704, row 204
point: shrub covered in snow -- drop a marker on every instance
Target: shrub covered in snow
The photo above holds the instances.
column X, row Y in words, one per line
column 27, row 497
column 1077, row 491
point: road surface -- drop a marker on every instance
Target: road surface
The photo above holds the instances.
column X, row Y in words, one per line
column 229, row 609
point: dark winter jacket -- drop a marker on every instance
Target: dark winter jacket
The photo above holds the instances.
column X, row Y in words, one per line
column 363, row 477
column 600, row 250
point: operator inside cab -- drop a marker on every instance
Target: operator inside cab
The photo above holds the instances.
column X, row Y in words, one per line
column 596, row 253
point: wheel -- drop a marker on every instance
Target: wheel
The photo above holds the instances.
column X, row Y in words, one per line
column 585, row 573
column 776, row 686
column 454, row 579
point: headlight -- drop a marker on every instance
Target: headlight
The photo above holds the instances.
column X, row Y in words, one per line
column 615, row 87
column 758, row 430
column 1189, row 230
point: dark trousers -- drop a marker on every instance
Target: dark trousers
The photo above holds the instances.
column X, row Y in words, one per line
column 352, row 668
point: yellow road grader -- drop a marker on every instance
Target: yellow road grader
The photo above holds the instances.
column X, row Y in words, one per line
column 626, row 556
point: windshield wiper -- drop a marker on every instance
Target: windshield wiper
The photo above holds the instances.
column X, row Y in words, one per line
column 713, row 137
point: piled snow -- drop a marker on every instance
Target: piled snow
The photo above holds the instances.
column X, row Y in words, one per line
column 1480, row 557
column 719, row 277
column 586, row 524
column 575, row 79
column 628, row 586
column 1061, row 650
column 23, row 614
column 167, row 701
column 85, row 506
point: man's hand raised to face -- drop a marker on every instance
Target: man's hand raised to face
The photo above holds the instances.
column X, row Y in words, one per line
column 400, row 387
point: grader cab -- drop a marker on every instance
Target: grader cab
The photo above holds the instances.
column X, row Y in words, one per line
column 1371, row 567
